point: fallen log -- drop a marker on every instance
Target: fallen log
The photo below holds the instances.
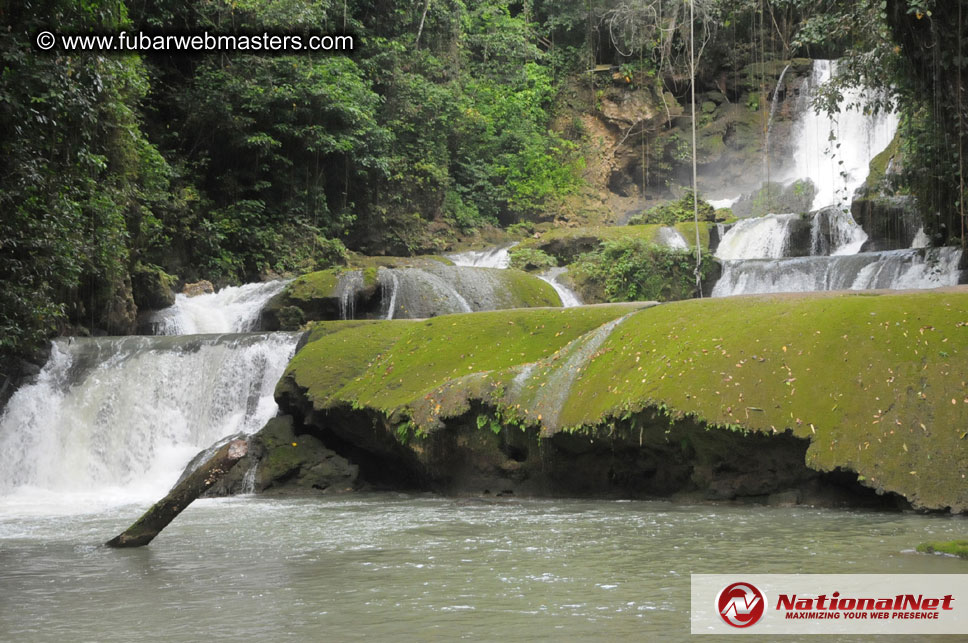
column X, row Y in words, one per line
column 165, row 510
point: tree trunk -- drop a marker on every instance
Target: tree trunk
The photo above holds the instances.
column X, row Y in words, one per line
column 165, row 510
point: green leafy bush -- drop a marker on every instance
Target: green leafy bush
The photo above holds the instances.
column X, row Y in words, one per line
column 531, row 259
column 636, row 270
column 676, row 211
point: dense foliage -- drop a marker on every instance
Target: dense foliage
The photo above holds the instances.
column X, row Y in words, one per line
column 685, row 209
column 636, row 270
column 233, row 166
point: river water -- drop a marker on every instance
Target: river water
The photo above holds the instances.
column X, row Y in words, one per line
column 393, row 566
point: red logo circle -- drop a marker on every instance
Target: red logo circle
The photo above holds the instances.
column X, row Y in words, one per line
column 741, row 604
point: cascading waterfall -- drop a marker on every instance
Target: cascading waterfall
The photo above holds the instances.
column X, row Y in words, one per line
column 762, row 237
column 349, row 284
column 892, row 269
column 834, row 232
column 792, row 253
column 569, row 299
column 769, row 122
column 115, row 419
column 234, row 309
column 671, row 238
column 496, row 257
column 835, row 152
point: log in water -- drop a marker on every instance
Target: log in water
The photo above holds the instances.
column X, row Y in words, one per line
column 144, row 530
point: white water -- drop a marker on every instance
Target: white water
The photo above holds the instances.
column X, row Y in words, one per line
column 233, row 309
column 921, row 240
column 835, row 152
column 724, row 203
column 895, row 269
column 762, row 237
column 834, row 232
column 769, row 123
column 672, row 238
column 114, row 420
column 415, row 293
column 569, row 299
column 496, row 257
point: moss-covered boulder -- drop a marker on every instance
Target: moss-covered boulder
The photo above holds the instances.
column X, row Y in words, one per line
column 426, row 289
column 282, row 460
column 871, row 387
column 152, row 287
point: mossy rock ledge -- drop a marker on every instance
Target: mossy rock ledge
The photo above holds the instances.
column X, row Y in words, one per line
column 427, row 288
column 566, row 244
column 785, row 398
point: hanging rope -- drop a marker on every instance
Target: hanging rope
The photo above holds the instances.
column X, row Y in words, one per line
column 695, row 190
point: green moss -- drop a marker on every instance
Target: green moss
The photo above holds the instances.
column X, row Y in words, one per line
column 315, row 285
column 337, row 353
column 957, row 548
column 364, row 262
column 531, row 259
column 567, row 243
column 877, row 383
column 528, row 291
column 389, row 365
column 878, row 165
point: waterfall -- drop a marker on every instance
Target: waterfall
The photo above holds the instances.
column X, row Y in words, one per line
column 115, row 419
column 234, row 309
column 417, row 293
column 671, row 238
column 569, row 299
column 835, row 152
column 497, row 257
column 834, row 232
column 921, row 240
column 893, row 269
column 762, row 237
column 347, row 288
column 769, row 122
column 438, row 289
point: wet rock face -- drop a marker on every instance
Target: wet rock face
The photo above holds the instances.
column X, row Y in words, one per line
column 280, row 460
column 891, row 222
column 647, row 456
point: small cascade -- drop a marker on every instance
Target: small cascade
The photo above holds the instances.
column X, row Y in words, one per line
column 671, row 238
column 497, row 257
column 569, row 299
column 834, row 232
column 416, row 293
column 233, row 309
column 559, row 374
column 893, row 269
column 347, row 289
column 921, row 240
column 389, row 286
column 835, row 152
column 115, row 419
column 724, row 203
column 762, row 237
column 769, row 122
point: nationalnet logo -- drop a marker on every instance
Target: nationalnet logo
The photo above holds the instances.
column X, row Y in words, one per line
column 830, row 604
column 741, row 604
